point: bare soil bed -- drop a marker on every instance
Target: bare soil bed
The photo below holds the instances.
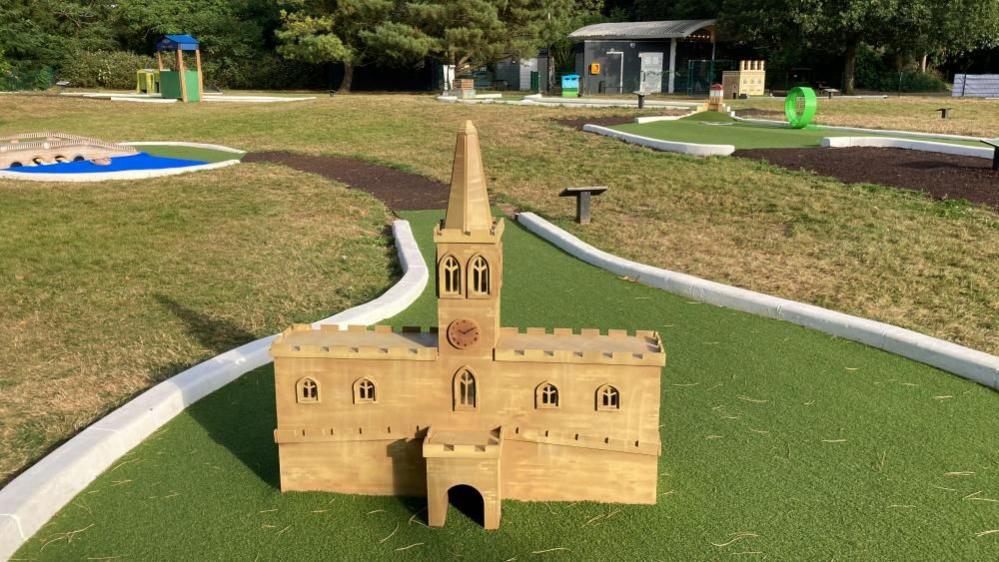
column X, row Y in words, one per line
column 942, row 176
column 399, row 190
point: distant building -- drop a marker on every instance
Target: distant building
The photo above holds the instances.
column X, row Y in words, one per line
column 648, row 56
column 516, row 74
column 535, row 415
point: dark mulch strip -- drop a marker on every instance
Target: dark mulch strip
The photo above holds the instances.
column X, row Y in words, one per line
column 941, row 176
column 400, row 191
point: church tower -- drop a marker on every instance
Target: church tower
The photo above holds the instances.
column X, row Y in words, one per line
column 469, row 258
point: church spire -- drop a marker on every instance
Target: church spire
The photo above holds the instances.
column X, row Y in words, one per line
column 468, row 204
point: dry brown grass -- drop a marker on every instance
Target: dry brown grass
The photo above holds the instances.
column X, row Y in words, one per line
column 82, row 265
column 110, row 288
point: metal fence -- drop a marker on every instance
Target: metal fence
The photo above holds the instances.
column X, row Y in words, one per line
column 36, row 79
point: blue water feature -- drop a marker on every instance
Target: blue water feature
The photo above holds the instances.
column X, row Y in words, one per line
column 140, row 161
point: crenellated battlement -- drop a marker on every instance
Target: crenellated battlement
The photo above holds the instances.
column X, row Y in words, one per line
column 356, row 342
column 588, row 345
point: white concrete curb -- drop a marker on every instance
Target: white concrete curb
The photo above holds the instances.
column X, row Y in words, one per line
column 120, row 175
column 255, row 99
column 667, row 146
column 135, row 100
column 609, row 102
column 157, row 98
column 31, row 499
column 962, row 361
column 924, row 146
column 656, row 118
column 537, row 100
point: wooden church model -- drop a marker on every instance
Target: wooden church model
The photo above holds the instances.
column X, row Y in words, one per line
column 526, row 415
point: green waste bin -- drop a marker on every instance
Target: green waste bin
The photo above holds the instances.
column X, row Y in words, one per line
column 570, row 85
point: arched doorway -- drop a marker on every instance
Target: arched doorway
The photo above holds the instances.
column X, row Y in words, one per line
column 468, row 501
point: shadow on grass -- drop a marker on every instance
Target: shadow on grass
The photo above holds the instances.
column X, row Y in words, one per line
column 241, row 418
column 216, row 334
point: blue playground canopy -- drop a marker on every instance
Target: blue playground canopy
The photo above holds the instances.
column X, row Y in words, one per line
column 140, row 161
column 177, row 43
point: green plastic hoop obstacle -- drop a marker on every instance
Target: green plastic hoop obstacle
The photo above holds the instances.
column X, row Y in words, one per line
column 800, row 120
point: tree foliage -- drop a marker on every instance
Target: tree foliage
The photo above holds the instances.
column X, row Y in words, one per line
column 351, row 32
column 272, row 43
column 905, row 27
column 472, row 33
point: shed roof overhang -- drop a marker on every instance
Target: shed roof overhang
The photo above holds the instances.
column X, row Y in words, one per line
column 641, row 30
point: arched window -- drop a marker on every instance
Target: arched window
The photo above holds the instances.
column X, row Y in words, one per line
column 464, row 390
column 608, row 398
column 478, row 277
column 307, row 391
column 365, row 391
column 78, row 158
column 546, row 396
column 449, row 277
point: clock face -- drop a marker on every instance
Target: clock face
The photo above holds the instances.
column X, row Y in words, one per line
column 463, row 333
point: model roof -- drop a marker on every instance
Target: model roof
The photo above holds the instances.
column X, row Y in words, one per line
column 671, row 29
column 468, row 203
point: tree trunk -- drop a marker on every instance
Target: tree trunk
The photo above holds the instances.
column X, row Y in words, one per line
column 850, row 67
column 922, row 65
column 348, row 78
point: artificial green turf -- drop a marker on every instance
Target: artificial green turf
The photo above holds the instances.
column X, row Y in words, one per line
column 817, row 447
column 189, row 153
column 711, row 127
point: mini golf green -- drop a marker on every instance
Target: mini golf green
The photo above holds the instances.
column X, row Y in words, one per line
column 209, row 155
column 711, row 127
column 778, row 442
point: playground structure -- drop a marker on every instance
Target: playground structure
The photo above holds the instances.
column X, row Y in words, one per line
column 747, row 81
column 147, row 81
column 181, row 83
column 34, row 149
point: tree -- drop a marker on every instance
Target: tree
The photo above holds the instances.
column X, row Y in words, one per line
column 229, row 30
column 944, row 28
column 328, row 31
column 837, row 26
column 473, row 33
column 840, row 26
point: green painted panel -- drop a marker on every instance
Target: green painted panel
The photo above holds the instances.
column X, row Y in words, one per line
column 170, row 84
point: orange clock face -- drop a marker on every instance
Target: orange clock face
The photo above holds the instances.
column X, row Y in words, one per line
column 463, row 333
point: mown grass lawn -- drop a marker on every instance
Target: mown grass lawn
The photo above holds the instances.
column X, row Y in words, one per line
column 778, row 443
column 248, row 249
column 109, row 288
